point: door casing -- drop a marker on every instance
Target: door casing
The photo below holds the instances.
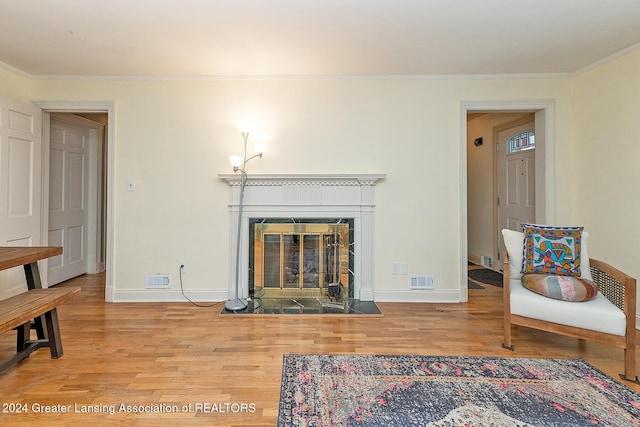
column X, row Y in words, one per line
column 544, row 110
column 109, row 108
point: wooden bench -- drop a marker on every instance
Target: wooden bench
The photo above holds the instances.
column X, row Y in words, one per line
column 39, row 306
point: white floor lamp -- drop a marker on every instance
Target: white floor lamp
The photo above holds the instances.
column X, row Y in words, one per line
column 239, row 164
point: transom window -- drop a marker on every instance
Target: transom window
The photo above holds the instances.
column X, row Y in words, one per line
column 522, row 141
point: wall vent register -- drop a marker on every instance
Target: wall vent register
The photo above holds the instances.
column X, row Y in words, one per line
column 421, row 282
column 158, row 281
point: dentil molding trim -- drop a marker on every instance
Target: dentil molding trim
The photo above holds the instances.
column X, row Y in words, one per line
column 305, row 179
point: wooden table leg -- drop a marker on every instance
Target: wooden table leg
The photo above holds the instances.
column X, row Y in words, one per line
column 32, row 274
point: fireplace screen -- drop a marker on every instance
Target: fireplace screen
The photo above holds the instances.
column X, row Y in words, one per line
column 312, row 256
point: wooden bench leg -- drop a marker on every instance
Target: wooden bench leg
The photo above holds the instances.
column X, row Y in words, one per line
column 38, row 324
column 25, row 345
column 48, row 331
column 24, row 335
column 53, row 333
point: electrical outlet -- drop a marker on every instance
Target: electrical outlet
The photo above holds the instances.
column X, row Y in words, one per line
column 183, row 267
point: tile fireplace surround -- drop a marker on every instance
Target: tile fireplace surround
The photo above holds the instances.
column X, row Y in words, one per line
column 305, row 196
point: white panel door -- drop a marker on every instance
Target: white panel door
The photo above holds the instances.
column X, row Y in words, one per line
column 20, row 185
column 68, row 210
column 516, row 184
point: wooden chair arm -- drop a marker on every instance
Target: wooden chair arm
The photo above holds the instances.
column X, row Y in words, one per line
column 618, row 287
column 505, row 270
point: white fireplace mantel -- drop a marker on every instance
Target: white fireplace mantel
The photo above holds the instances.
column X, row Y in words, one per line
column 305, row 179
column 305, row 196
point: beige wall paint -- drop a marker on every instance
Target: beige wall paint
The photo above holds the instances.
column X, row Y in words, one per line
column 14, row 86
column 174, row 138
column 606, row 160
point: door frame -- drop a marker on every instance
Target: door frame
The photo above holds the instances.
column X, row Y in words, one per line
column 107, row 107
column 544, row 110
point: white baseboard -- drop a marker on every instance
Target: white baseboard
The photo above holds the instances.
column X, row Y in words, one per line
column 168, row 295
column 366, row 295
column 474, row 258
column 441, row 296
column 483, row 260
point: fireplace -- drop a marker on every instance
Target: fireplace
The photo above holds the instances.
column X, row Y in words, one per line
column 312, row 206
column 301, row 257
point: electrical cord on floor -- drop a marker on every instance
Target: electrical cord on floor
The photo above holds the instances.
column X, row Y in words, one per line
column 189, row 299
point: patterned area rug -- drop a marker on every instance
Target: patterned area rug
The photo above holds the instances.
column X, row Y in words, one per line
column 373, row 390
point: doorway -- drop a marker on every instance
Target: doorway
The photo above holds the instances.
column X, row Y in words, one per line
column 103, row 113
column 76, row 194
column 480, row 231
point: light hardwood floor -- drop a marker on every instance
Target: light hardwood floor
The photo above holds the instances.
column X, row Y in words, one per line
column 179, row 354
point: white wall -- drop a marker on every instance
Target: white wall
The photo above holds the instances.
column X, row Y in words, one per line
column 174, row 138
column 606, row 160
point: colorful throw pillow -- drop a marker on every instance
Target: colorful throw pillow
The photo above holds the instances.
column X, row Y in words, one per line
column 565, row 288
column 551, row 250
column 514, row 244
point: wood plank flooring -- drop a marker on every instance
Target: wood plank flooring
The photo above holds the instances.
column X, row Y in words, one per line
column 229, row 367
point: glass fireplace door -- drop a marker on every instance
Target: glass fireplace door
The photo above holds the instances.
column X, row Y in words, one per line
column 292, row 261
column 289, row 257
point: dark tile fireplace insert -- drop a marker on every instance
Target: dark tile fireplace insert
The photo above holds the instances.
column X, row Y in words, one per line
column 303, row 266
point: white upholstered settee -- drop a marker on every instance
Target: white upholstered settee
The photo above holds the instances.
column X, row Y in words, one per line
column 608, row 318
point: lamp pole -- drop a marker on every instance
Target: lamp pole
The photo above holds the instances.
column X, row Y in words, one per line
column 237, row 303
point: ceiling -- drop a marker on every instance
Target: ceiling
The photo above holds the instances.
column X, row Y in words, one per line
column 262, row 38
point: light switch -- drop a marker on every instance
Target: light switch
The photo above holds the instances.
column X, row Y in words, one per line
column 404, row 268
column 131, row 184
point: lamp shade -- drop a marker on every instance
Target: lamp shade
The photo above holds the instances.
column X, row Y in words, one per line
column 260, row 147
column 245, row 126
column 236, row 161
